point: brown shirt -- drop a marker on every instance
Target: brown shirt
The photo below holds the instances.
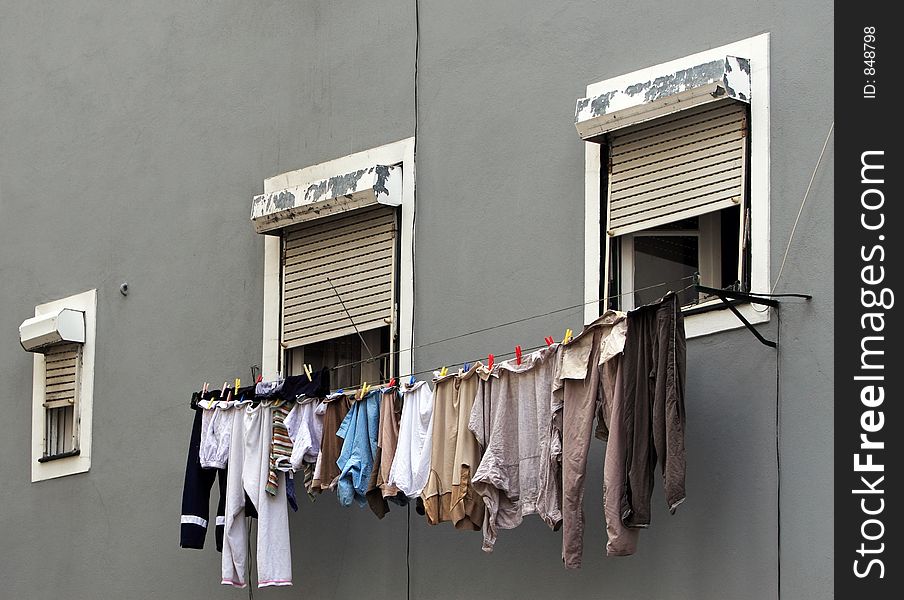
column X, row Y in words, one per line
column 331, row 444
column 387, row 440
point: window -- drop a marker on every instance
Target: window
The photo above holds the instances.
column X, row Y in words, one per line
column 62, row 366
column 676, row 191
column 677, row 182
column 339, row 291
column 338, row 266
column 63, row 386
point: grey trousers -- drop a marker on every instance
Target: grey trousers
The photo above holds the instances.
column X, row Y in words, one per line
column 654, row 374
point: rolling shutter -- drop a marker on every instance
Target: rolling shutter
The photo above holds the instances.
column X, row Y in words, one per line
column 61, row 375
column 677, row 167
column 61, row 378
column 356, row 251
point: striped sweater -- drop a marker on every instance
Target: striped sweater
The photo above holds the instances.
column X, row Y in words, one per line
column 280, row 448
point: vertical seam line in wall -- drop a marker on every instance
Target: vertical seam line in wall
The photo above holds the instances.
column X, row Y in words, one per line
column 778, row 456
column 417, row 50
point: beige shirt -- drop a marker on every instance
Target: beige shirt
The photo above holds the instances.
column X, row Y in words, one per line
column 454, row 454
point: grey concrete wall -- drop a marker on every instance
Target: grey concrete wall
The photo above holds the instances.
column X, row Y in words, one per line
column 132, row 137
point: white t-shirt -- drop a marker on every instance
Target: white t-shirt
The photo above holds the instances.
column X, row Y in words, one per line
column 411, row 464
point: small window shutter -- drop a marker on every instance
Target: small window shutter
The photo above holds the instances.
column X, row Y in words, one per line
column 61, row 383
column 61, row 375
column 681, row 166
column 357, row 252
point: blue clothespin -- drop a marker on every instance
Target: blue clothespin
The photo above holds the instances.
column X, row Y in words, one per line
column 411, row 380
column 467, row 367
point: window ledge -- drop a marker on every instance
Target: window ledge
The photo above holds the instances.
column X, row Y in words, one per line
column 714, row 317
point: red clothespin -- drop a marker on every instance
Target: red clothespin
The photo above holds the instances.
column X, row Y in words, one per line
column 490, row 362
column 549, row 340
column 392, row 382
column 518, row 355
column 260, row 378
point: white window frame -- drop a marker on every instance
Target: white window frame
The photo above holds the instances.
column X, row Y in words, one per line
column 400, row 152
column 85, row 302
column 757, row 50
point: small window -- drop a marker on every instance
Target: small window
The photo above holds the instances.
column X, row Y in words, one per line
column 62, row 366
column 676, row 189
column 62, row 384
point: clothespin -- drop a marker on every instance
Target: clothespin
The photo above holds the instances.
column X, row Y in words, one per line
column 238, row 383
column 549, row 340
column 392, row 382
column 466, row 367
column 567, row 338
column 260, row 378
column 443, row 371
column 518, row 355
column 411, row 380
column 490, row 362
column 363, row 390
column 309, row 372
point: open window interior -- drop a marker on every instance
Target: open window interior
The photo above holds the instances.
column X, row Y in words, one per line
column 349, row 357
column 340, row 285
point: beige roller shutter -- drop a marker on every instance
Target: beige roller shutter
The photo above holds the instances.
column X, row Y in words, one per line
column 677, row 167
column 61, row 382
column 357, row 252
column 61, row 375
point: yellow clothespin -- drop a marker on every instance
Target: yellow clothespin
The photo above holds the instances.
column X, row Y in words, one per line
column 364, row 388
column 309, row 372
column 567, row 338
column 443, row 371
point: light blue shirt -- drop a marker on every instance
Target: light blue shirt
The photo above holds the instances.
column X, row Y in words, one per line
column 356, row 461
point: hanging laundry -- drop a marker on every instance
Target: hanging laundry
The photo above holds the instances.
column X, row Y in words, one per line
column 196, row 491
column 411, row 463
column 305, row 426
column 467, row 507
column 654, row 373
column 326, row 471
column 380, row 493
column 510, row 420
column 297, row 387
column 359, row 432
column 216, row 433
column 454, row 452
column 249, row 460
column 268, row 389
column 587, row 389
column 280, row 447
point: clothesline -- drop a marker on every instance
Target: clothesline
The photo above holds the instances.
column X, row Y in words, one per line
column 500, row 325
column 479, row 452
column 485, row 329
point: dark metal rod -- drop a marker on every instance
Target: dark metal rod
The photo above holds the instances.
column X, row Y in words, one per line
column 746, row 323
column 737, row 296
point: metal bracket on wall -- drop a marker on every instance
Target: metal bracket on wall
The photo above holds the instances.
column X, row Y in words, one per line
column 766, row 300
